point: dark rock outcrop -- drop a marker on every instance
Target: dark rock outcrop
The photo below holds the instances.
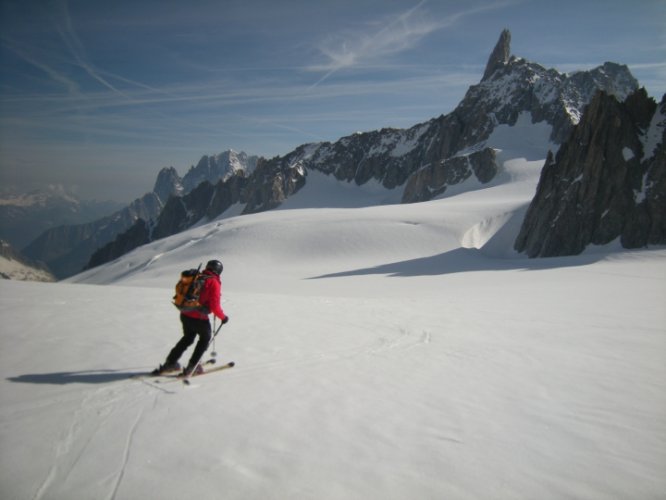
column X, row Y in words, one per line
column 134, row 237
column 272, row 182
column 602, row 184
column 499, row 56
column 434, row 179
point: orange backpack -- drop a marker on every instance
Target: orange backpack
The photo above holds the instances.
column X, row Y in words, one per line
column 188, row 290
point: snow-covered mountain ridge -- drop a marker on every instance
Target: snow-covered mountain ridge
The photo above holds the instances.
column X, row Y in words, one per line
column 67, row 248
column 212, row 169
column 419, row 163
column 511, row 87
column 38, row 198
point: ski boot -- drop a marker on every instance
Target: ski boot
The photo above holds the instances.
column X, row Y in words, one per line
column 191, row 371
column 166, row 368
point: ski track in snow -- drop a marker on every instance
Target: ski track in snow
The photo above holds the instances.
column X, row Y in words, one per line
column 65, row 458
column 88, row 423
column 126, row 454
column 402, row 340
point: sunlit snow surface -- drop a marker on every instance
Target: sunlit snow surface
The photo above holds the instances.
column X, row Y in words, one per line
column 382, row 352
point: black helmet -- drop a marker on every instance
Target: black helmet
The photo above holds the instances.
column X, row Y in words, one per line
column 215, row 266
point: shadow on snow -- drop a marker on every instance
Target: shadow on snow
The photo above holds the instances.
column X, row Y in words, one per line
column 82, row 377
column 463, row 260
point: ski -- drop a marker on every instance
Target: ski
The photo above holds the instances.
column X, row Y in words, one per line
column 186, row 379
column 179, row 373
column 171, row 373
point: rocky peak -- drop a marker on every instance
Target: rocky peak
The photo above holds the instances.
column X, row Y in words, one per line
column 167, row 184
column 218, row 167
column 500, row 54
column 601, row 185
column 519, row 86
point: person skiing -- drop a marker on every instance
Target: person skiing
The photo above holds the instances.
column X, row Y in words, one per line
column 195, row 323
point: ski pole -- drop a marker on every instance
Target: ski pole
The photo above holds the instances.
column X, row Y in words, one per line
column 214, row 353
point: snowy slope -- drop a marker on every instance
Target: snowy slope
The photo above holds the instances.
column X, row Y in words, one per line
column 14, row 266
column 383, row 352
column 15, row 270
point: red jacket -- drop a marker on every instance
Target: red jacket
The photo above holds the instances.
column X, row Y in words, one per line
column 210, row 298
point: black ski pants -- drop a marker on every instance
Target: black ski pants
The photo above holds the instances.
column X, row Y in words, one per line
column 192, row 328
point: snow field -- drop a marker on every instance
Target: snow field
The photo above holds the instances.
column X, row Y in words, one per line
column 390, row 352
column 503, row 384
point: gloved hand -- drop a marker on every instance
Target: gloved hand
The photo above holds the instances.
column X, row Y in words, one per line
column 225, row 320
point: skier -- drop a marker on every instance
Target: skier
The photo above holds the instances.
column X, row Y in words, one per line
column 197, row 323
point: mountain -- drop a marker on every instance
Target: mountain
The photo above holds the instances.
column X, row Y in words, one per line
column 219, row 168
column 24, row 216
column 419, row 163
column 15, row 266
column 510, row 89
column 607, row 181
column 67, row 248
column 209, row 169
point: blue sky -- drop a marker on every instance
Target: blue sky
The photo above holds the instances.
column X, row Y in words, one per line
column 99, row 95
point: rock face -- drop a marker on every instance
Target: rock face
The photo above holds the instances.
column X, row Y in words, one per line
column 433, row 180
column 134, row 237
column 500, row 55
column 607, row 181
column 272, row 182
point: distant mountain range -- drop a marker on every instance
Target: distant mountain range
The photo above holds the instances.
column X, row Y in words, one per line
column 420, row 163
column 23, row 217
column 67, row 248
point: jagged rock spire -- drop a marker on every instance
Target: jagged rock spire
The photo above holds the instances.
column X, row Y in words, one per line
column 168, row 183
column 500, row 54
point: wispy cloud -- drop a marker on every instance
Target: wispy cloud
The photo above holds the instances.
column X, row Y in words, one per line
column 48, row 69
column 396, row 35
column 76, row 48
column 400, row 33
